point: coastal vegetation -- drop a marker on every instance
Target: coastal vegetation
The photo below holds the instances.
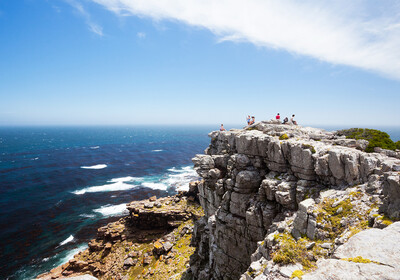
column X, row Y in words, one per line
column 376, row 138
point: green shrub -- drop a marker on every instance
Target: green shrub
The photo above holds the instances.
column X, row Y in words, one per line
column 310, row 147
column 376, row 138
column 398, row 145
column 292, row 251
column 283, row 137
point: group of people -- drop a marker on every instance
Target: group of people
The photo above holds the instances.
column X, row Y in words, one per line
column 252, row 120
column 286, row 120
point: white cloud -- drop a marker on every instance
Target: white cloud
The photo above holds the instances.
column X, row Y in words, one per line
column 141, row 35
column 93, row 27
column 359, row 33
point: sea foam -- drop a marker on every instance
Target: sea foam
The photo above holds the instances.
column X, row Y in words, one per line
column 178, row 179
column 112, row 210
column 117, row 184
column 97, row 166
column 69, row 255
column 155, row 186
column 69, row 239
column 182, row 177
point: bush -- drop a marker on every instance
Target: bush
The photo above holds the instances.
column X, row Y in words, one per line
column 376, row 138
column 398, row 145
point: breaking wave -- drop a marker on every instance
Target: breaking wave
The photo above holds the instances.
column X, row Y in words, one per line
column 117, row 184
column 69, row 239
column 97, row 166
column 112, row 210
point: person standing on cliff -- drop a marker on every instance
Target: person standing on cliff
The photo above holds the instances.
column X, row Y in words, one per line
column 292, row 120
column 248, row 119
column 278, row 117
column 222, row 128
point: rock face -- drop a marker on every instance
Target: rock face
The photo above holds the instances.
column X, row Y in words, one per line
column 255, row 184
column 371, row 254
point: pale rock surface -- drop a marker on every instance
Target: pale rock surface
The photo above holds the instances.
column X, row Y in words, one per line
column 255, row 185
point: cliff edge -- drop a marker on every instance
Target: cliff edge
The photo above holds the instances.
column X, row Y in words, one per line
column 283, row 201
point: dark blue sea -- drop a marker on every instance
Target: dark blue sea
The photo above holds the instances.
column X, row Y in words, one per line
column 59, row 184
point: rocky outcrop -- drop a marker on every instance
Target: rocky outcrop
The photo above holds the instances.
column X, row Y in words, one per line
column 371, row 254
column 152, row 242
column 272, row 183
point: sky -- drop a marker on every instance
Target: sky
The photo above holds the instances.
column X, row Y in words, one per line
column 191, row 62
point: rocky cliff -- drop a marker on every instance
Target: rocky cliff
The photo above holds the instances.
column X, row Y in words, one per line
column 283, row 201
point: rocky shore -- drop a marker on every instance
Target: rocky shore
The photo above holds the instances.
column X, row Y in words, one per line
column 277, row 202
column 153, row 242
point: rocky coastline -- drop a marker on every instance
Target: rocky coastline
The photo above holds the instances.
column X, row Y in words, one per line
column 274, row 202
column 152, row 242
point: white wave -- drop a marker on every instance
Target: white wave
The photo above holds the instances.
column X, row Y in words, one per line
column 173, row 169
column 112, row 210
column 36, row 158
column 95, row 147
column 97, row 166
column 157, row 151
column 69, row 239
column 70, row 254
column 118, row 184
column 126, row 179
column 178, row 180
column 87, row 216
column 155, row 186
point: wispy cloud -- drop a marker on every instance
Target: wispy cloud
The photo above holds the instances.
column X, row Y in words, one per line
column 92, row 26
column 141, row 35
column 358, row 33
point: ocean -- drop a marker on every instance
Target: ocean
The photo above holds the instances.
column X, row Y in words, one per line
column 59, row 184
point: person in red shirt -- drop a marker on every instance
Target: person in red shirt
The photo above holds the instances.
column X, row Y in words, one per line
column 278, row 117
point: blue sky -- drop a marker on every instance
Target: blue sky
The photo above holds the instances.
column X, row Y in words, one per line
column 106, row 62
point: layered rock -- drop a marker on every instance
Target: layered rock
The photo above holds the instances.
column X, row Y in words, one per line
column 152, row 242
column 268, row 178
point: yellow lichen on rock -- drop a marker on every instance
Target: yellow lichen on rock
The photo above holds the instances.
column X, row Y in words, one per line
column 297, row 274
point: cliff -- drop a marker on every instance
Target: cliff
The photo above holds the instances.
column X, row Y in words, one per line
column 283, row 201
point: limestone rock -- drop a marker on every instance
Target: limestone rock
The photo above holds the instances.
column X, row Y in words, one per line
column 380, row 245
